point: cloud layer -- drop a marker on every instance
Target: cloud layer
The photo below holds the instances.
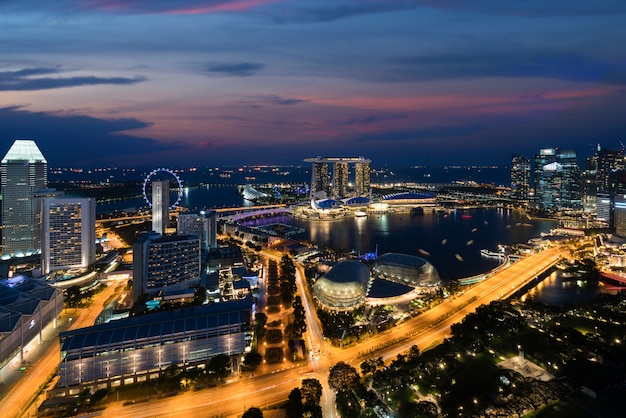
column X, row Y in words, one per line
column 36, row 79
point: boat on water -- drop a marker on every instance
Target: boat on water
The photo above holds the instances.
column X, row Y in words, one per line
column 360, row 213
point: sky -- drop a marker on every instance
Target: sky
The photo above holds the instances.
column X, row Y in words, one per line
column 140, row 83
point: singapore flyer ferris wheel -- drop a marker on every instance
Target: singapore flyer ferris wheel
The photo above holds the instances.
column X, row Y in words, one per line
column 162, row 174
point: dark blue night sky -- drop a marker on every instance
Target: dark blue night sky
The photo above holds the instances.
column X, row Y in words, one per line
column 191, row 82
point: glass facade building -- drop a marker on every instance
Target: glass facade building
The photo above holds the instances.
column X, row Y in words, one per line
column 24, row 171
column 520, row 178
column 557, row 179
column 203, row 225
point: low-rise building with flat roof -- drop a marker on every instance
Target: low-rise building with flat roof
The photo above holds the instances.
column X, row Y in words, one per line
column 140, row 348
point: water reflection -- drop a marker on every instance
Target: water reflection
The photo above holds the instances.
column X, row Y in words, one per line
column 558, row 291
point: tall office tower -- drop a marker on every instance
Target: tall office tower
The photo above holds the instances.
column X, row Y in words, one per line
column 608, row 161
column 340, row 180
column 362, row 177
column 589, row 187
column 203, row 225
column 615, row 212
column 520, row 178
column 165, row 263
column 557, row 179
column 68, row 233
column 211, row 217
column 320, row 180
column 544, row 173
column 619, row 215
column 24, row 171
column 571, row 179
column 160, row 206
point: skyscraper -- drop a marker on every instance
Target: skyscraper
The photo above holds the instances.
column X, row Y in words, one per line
column 589, row 186
column 24, row 171
column 320, row 180
column 557, row 179
column 543, row 174
column 68, row 232
column 203, row 225
column 340, row 183
column 608, row 161
column 160, row 206
column 520, row 178
column 362, row 177
column 571, row 179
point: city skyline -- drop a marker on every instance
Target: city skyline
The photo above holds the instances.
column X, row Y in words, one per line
column 137, row 83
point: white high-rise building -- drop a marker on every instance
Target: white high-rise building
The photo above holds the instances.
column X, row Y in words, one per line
column 24, row 171
column 68, row 232
column 160, row 206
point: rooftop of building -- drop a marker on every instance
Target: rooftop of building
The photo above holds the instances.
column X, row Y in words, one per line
column 24, row 150
column 348, row 271
column 156, row 324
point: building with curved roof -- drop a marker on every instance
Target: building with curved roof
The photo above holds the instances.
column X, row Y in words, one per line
column 344, row 287
column 406, row 269
column 410, row 198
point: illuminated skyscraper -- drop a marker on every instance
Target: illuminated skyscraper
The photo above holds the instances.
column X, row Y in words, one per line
column 362, row 177
column 608, row 161
column 68, row 232
column 160, row 206
column 589, row 186
column 203, row 225
column 320, row 179
column 520, row 178
column 570, row 180
column 24, row 171
column 557, row 179
column 545, row 178
column 620, row 215
column 340, row 183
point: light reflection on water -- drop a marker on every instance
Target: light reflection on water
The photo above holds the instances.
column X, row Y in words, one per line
column 465, row 232
column 555, row 290
column 410, row 234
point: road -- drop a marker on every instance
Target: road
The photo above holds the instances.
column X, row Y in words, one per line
column 18, row 398
column 425, row 330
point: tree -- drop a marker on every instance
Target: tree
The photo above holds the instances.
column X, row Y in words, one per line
column 343, row 377
column 219, row 365
column 287, row 265
column 252, row 360
column 260, row 319
column 253, row 412
column 423, row 409
column 286, row 292
column 299, row 323
column 73, row 296
column 312, row 391
column 200, row 295
column 295, row 403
